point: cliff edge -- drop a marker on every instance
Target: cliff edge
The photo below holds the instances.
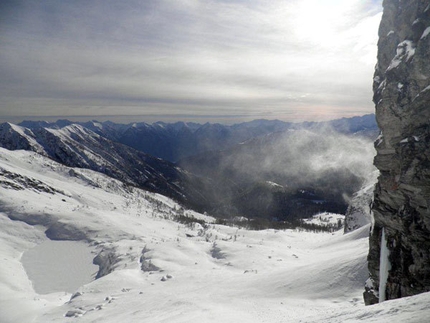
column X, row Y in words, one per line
column 399, row 253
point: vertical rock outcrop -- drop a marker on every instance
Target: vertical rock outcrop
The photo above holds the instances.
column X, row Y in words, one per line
column 402, row 194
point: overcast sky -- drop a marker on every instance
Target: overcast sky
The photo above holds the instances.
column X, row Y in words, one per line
column 201, row 60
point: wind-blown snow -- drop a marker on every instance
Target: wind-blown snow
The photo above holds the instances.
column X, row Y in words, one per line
column 164, row 271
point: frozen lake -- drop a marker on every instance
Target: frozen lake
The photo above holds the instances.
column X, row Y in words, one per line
column 59, row 266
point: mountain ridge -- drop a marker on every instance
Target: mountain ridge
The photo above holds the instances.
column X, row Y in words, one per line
column 174, row 141
column 206, row 187
column 77, row 146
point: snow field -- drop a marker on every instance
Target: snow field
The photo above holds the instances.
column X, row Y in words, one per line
column 206, row 274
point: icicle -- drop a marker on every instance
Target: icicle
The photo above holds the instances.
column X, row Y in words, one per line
column 384, row 267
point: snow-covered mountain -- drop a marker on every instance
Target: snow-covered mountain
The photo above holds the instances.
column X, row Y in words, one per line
column 160, row 263
column 174, row 141
column 77, row 146
column 229, row 182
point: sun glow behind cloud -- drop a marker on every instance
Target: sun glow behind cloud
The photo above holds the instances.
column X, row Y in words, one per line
column 250, row 59
column 316, row 21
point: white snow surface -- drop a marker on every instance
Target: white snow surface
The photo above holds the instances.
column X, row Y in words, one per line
column 73, row 266
column 207, row 273
column 404, row 52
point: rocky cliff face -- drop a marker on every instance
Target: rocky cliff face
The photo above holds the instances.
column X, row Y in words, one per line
column 402, row 194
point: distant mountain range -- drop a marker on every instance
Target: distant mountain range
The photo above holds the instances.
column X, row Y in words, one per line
column 174, row 141
column 237, row 170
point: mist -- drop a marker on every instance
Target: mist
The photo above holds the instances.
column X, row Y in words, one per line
column 305, row 156
column 314, row 169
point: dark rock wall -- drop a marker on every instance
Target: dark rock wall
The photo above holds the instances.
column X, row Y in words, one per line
column 402, row 194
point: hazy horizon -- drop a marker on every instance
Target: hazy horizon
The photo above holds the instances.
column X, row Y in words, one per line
column 225, row 120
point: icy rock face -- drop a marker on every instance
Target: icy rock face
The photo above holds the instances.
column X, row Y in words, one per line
column 358, row 213
column 384, row 267
column 402, row 194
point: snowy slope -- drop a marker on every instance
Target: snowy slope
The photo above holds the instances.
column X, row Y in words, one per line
column 76, row 146
column 164, row 271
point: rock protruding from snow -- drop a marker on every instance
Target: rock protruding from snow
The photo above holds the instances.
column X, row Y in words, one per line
column 106, row 261
column 359, row 212
column 146, row 264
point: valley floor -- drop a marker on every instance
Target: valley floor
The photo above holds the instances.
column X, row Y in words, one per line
column 164, row 271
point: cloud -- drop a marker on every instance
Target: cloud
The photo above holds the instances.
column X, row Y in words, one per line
column 289, row 57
